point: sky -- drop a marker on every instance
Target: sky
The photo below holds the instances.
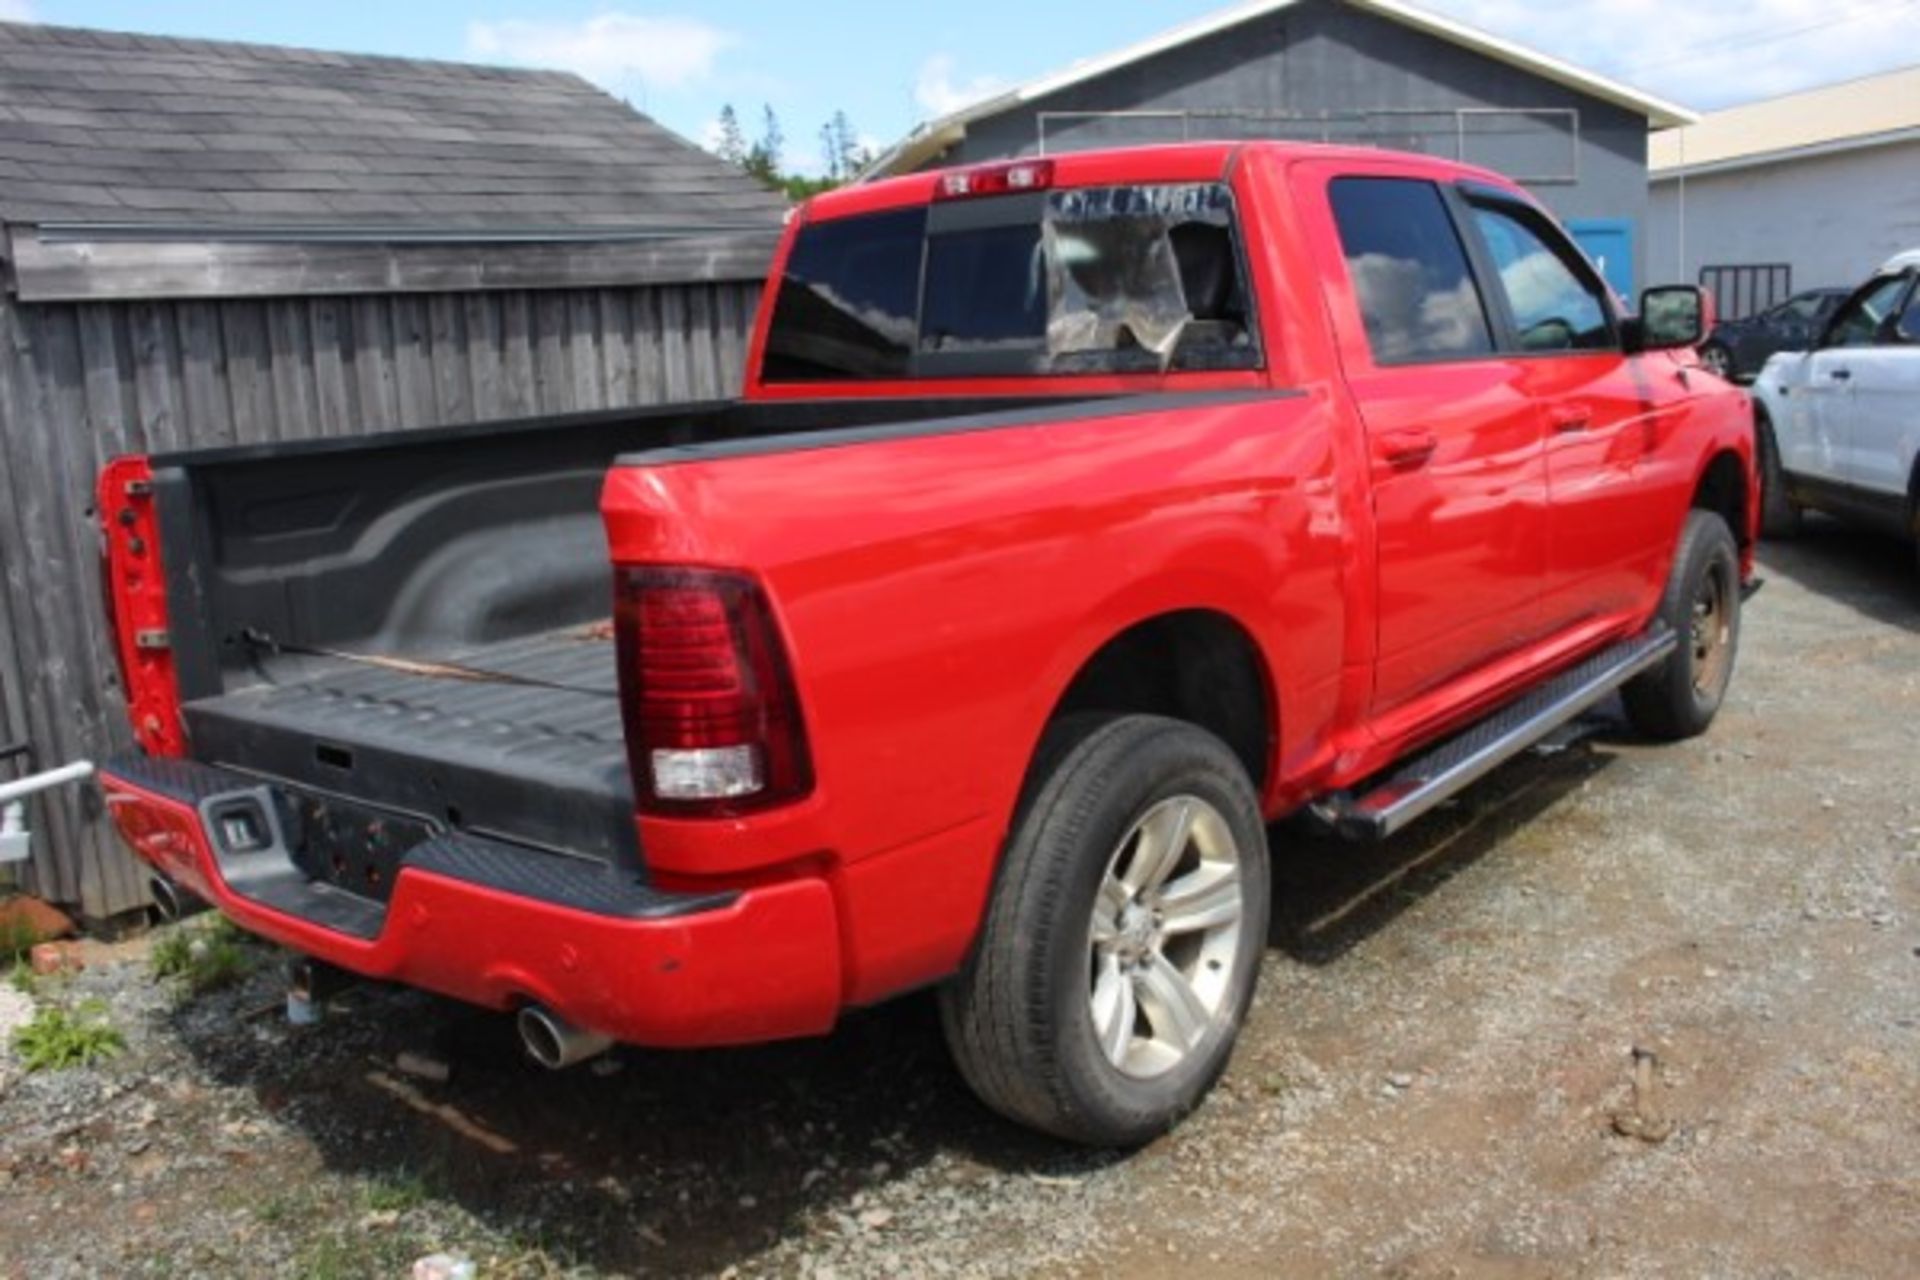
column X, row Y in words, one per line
column 888, row 67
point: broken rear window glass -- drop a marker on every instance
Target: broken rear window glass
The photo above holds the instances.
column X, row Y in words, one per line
column 1127, row 279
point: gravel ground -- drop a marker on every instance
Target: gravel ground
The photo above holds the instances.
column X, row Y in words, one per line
column 1623, row 1011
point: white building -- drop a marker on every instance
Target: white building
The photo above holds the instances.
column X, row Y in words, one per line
column 1808, row 190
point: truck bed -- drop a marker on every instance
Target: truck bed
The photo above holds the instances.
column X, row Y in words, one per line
column 480, row 546
column 541, row 763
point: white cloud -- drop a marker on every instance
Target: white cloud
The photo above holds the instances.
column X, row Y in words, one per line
column 16, row 11
column 615, row 50
column 938, row 93
column 1709, row 55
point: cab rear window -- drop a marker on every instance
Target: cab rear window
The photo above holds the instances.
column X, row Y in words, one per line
column 1132, row 279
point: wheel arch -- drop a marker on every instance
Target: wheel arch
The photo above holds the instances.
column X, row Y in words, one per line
column 1725, row 485
column 1198, row 664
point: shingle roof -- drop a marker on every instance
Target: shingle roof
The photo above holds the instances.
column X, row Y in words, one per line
column 97, row 126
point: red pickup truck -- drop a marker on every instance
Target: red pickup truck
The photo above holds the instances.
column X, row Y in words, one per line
column 1080, row 516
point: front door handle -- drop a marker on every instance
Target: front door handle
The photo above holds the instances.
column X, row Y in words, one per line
column 1405, row 446
column 1841, row 375
column 1568, row 418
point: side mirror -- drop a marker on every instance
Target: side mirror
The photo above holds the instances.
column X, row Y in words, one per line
column 1671, row 316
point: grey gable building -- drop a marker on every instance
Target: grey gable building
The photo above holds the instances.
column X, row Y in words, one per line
column 212, row 244
column 1371, row 72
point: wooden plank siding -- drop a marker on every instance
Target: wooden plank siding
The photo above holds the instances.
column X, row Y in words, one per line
column 82, row 381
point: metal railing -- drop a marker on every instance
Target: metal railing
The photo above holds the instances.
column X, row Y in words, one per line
column 16, row 841
column 1745, row 289
column 1450, row 132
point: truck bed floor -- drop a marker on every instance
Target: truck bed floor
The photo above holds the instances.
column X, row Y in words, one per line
column 542, row 764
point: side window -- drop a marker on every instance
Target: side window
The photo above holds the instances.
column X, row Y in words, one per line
column 1858, row 322
column 1907, row 328
column 846, row 303
column 1802, row 309
column 1416, row 293
column 1555, row 306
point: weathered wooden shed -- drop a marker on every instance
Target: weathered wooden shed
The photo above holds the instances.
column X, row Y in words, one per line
column 210, row 243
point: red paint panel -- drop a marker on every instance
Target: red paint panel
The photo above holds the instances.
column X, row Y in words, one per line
column 766, row 967
column 135, row 589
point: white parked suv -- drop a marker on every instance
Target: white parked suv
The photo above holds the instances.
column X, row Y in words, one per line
column 1839, row 425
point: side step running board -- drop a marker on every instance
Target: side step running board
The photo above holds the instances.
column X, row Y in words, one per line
column 1444, row 770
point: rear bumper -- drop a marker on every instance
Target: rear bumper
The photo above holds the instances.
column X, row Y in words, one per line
column 466, row 919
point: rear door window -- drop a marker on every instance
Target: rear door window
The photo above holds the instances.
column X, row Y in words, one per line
column 1128, row 279
column 1409, row 269
column 846, row 303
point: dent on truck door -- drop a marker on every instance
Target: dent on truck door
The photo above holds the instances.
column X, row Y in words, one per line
column 1609, row 509
column 1458, row 482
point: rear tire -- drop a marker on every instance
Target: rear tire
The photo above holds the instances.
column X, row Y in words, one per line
column 1779, row 515
column 1680, row 697
column 1123, row 938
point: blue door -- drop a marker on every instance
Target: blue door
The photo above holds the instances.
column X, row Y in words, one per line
column 1609, row 243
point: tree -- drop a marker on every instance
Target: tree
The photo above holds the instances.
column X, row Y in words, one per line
column 840, row 150
column 841, row 154
column 731, row 145
column 763, row 157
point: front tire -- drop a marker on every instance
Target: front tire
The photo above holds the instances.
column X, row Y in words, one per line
column 1123, row 938
column 1680, row 697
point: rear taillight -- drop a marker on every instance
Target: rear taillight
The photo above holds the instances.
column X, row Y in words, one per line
column 713, row 725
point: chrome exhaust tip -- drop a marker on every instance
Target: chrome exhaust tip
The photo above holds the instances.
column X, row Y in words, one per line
column 555, row 1043
column 172, row 902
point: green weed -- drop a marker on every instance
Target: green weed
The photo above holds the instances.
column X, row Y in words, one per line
column 204, row 958
column 59, row 1037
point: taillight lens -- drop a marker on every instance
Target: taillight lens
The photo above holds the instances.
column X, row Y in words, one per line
column 713, row 725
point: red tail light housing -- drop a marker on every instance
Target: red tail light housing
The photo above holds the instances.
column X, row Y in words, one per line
column 713, row 723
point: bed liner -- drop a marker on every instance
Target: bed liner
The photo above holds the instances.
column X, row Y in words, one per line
column 542, row 763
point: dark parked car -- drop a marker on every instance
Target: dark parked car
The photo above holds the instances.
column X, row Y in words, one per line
column 1737, row 349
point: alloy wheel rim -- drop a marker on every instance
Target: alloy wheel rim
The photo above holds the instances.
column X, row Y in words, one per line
column 1165, row 936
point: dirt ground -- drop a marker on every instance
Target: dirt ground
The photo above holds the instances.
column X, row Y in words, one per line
column 1623, row 1011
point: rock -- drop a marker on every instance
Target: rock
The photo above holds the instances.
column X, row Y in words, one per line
column 1400, row 1080
column 874, row 1219
column 56, row 957
column 24, row 915
column 443, row 1266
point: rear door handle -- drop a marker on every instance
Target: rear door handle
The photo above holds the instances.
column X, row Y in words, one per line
column 1568, row 418
column 1841, row 375
column 1405, row 446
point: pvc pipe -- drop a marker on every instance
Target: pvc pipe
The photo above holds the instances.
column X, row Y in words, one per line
column 35, row 783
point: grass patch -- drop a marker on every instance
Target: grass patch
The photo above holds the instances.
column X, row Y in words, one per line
column 204, row 958
column 67, row 1038
column 394, row 1192
column 17, row 937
